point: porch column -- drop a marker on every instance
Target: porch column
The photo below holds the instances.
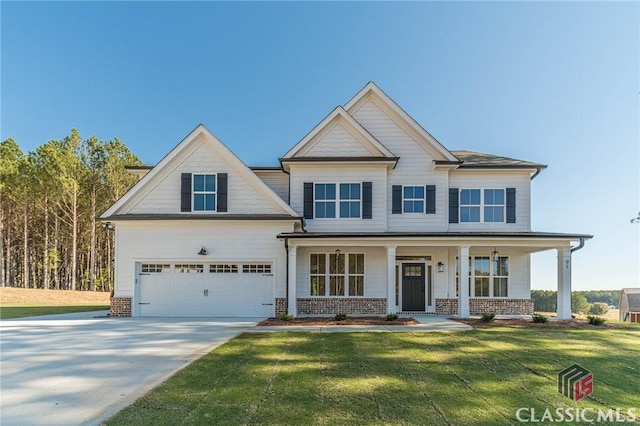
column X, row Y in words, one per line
column 463, row 282
column 292, row 298
column 564, row 282
column 391, row 279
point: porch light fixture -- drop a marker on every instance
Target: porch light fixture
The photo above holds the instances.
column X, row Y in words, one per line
column 440, row 267
column 337, row 252
column 495, row 256
column 203, row 251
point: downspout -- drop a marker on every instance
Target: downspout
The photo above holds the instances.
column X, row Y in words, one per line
column 579, row 246
column 538, row 170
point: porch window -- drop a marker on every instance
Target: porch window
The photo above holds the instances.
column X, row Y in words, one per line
column 344, row 274
column 501, row 278
column 482, row 272
column 481, row 275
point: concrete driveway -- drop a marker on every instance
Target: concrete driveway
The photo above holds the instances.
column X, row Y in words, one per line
column 77, row 369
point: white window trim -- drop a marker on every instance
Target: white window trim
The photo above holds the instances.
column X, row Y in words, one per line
column 193, row 192
column 424, row 199
column 491, row 276
column 482, row 205
column 328, row 274
column 337, row 201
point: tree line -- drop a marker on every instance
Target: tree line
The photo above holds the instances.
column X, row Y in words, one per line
column 581, row 301
column 50, row 200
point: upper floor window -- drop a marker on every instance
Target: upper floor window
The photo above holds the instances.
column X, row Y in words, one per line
column 204, row 192
column 482, row 205
column 413, row 199
column 347, row 200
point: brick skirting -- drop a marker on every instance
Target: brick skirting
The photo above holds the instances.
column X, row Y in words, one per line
column 334, row 305
column 120, row 307
column 478, row 306
column 281, row 306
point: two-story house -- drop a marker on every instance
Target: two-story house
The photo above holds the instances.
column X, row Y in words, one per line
column 368, row 214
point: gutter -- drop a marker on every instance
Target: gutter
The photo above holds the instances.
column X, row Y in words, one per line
column 579, row 246
column 538, row 170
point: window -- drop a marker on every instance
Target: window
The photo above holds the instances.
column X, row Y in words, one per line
column 494, row 205
column 413, row 199
column 204, row 192
column 470, row 205
column 256, row 269
column 486, row 205
column 344, row 274
column 223, row 269
column 151, row 268
column 325, row 200
column 482, row 272
column 189, row 269
column 348, row 200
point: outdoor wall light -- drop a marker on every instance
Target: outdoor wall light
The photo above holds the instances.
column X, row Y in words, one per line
column 495, row 256
column 203, row 251
column 440, row 267
column 337, row 252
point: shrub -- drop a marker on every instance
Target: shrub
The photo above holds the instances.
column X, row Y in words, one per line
column 392, row 317
column 287, row 317
column 488, row 316
column 579, row 304
column 595, row 320
column 599, row 308
column 340, row 317
column 539, row 318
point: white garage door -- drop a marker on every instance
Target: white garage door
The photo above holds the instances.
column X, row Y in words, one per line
column 206, row 290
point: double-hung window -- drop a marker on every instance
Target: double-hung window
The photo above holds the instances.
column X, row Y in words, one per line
column 501, row 277
column 204, row 192
column 336, row 274
column 482, row 272
column 494, row 205
column 325, row 201
column 413, row 199
column 470, row 205
column 347, row 200
column 486, row 205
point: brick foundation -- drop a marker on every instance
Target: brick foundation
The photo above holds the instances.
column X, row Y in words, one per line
column 120, row 307
column 478, row 306
column 281, row 306
column 335, row 305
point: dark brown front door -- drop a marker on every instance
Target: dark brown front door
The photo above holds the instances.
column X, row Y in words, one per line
column 413, row 287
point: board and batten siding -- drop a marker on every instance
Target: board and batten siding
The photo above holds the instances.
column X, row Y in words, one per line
column 179, row 242
column 375, row 270
column 341, row 173
column 337, row 142
column 415, row 167
column 521, row 181
column 277, row 180
column 164, row 198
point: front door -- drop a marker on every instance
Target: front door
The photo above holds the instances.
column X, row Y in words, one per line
column 413, row 287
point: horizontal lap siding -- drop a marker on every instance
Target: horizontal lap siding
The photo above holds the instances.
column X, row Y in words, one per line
column 164, row 198
column 496, row 180
column 415, row 167
column 337, row 142
column 375, row 281
column 341, row 174
column 278, row 181
column 179, row 242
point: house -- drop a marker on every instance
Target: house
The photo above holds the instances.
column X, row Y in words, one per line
column 368, row 214
column 629, row 304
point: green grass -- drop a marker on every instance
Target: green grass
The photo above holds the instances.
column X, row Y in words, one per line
column 473, row 378
column 7, row 312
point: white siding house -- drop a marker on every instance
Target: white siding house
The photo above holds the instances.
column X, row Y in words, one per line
column 367, row 214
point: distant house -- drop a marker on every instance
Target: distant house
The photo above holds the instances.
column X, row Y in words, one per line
column 630, row 304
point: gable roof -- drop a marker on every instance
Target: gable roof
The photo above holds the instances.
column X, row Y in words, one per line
column 633, row 298
column 371, row 91
column 366, row 139
column 479, row 160
column 158, row 172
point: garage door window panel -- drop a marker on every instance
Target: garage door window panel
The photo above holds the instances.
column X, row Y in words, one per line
column 223, row 269
column 189, row 269
column 152, row 268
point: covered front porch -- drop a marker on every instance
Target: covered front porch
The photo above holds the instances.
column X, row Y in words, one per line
column 419, row 273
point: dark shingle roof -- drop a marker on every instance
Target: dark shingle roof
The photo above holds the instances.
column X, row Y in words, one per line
column 471, row 159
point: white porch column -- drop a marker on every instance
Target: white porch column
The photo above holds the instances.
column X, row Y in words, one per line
column 292, row 296
column 463, row 282
column 564, row 282
column 391, row 279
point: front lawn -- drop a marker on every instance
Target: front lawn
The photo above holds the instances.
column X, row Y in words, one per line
column 473, row 378
column 7, row 312
column 27, row 302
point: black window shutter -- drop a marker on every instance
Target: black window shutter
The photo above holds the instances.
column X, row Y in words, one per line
column 222, row 193
column 453, row 205
column 367, row 200
column 396, row 199
column 185, row 193
column 430, row 204
column 308, row 200
column 511, row 205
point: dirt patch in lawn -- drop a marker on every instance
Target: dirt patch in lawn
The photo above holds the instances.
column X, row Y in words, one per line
column 40, row 297
column 522, row 323
column 324, row 321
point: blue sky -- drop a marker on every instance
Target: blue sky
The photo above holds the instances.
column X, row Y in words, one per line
column 556, row 83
